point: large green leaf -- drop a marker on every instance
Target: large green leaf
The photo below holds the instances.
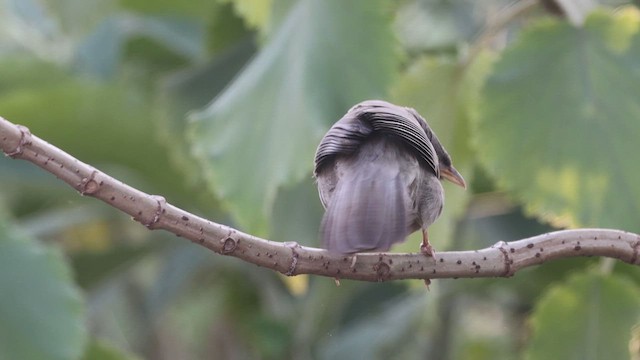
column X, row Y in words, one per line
column 41, row 311
column 560, row 119
column 261, row 133
column 588, row 317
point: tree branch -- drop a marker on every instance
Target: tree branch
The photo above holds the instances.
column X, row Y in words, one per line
column 502, row 259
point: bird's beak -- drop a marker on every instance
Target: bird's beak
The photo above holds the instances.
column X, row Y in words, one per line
column 450, row 173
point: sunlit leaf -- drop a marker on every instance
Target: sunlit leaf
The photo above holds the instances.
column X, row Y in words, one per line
column 588, row 317
column 257, row 13
column 261, row 133
column 41, row 311
column 559, row 121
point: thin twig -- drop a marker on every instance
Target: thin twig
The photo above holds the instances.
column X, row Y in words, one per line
column 502, row 259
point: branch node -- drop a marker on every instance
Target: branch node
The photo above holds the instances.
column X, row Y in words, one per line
column 636, row 250
column 25, row 139
column 89, row 185
column 294, row 259
column 159, row 211
column 229, row 243
column 383, row 270
column 501, row 245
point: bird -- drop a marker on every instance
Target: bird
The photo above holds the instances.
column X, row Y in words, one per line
column 378, row 171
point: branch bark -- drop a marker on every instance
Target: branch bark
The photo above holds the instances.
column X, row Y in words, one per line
column 500, row 260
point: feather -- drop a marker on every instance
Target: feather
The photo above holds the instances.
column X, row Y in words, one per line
column 378, row 175
column 377, row 116
column 367, row 210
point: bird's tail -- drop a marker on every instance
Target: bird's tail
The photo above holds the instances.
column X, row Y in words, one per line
column 368, row 209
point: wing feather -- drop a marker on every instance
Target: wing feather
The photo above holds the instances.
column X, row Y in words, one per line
column 372, row 116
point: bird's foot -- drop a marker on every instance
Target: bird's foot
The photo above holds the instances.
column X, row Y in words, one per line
column 427, row 249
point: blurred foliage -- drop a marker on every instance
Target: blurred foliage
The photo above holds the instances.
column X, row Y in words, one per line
column 41, row 310
column 301, row 80
column 594, row 311
column 218, row 105
column 587, row 78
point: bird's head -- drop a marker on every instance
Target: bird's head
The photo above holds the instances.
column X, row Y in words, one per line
column 445, row 165
column 447, row 171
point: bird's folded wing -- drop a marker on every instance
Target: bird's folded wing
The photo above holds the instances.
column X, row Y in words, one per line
column 371, row 116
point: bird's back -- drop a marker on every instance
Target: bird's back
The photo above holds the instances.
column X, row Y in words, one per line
column 368, row 196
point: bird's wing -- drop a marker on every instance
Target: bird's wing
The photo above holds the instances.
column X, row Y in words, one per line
column 346, row 135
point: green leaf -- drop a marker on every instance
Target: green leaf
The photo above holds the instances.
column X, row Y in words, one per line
column 198, row 9
column 41, row 311
column 588, row 317
column 257, row 13
column 261, row 133
column 225, row 29
column 559, row 121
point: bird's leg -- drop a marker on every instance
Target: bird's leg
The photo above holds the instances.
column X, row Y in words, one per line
column 426, row 247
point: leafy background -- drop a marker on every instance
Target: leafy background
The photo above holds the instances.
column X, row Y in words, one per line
column 218, row 105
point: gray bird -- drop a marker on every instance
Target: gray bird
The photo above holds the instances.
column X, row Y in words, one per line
column 378, row 171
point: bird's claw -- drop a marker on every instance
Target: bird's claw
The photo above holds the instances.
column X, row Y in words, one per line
column 427, row 249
